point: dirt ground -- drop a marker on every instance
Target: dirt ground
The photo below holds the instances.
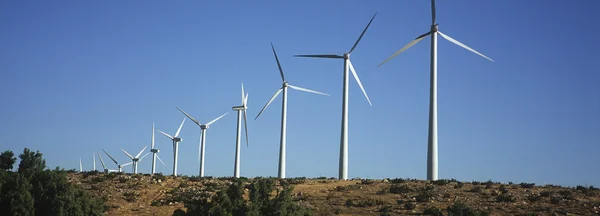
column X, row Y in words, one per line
column 161, row 195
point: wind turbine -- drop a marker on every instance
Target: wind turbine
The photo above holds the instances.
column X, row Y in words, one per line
column 432, row 147
column 106, row 170
column 176, row 141
column 80, row 166
column 282, row 140
column 240, row 109
column 343, row 170
column 94, row 157
column 202, row 143
column 154, row 153
column 136, row 159
column 119, row 166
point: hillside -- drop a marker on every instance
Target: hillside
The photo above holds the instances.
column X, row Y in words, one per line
column 161, row 195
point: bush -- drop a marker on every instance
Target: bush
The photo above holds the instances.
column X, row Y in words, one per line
column 545, row 194
column 476, row 189
column 398, row 180
column 410, row 205
column 399, row 189
column 555, row 199
column 433, row 211
column 461, row 209
column 534, row 198
column 503, row 189
column 441, row 182
column 505, row 198
column 231, row 201
column 51, row 190
column 527, row 185
column 459, row 185
column 425, row 194
column 567, row 194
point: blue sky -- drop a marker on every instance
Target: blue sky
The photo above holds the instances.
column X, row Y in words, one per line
column 78, row 76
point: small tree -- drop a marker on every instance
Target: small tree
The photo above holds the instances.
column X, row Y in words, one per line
column 7, row 160
column 31, row 163
column 15, row 198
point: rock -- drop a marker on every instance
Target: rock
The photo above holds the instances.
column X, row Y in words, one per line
column 159, row 181
column 170, row 203
column 385, row 181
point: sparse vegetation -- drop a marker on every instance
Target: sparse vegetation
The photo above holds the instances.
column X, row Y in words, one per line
column 433, row 211
column 410, row 205
column 461, row 209
column 527, row 185
column 400, row 188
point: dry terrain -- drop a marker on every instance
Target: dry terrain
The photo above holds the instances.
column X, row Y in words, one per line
column 161, row 195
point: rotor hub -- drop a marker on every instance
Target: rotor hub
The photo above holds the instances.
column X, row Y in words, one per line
column 346, row 55
column 154, row 150
column 285, row 84
column 135, row 159
column 177, row 139
column 434, row 28
column 203, row 127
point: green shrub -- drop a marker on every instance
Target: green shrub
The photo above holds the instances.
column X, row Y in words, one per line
column 410, row 205
column 567, row 194
column 476, row 189
column 555, row 199
column 545, row 194
column 505, row 198
column 503, row 189
column 398, row 180
column 425, row 194
column 459, row 185
column 433, row 211
column 534, row 198
column 527, row 185
column 461, row 209
column 441, row 182
column 399, row 189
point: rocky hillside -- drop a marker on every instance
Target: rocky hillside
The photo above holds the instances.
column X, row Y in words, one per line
column 162, row 195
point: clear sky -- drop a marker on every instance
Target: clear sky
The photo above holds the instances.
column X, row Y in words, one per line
column 78, row 76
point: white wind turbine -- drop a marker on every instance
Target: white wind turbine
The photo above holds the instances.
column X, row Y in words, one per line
column 176, row 141
column 432, row 147
column 343, row 169
column 154, row 153
column 119, row 166
column 136, row 159
column 80, row 166
column 282, row 140
column 238, row 136
column 106, row 170
column 94, row 157
column 203, row 128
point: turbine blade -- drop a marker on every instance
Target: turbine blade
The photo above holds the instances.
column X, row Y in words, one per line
column 179, row 129
column 362, row 34
column 127, row 154
column 278, row 64
column 412, row 43
column 463, row 45
column 144, row 156
column 215, row 120
column 320, row 56
column 126, row 164
column 101, row 161
column 432, row 12
column 245, row 100
column 358, row 81
column 246, row 125
column 138, row 155
column 243, row 93
column 152, row 135
column 307, row 90
column 189, row 116
column 110, row 157
column 266, row 105
column 166, row 134
column 199, row 145
column 160, row 160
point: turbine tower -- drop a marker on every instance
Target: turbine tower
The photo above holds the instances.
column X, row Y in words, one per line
column 343, row 169
column 202, row 143
column 155, row 152
column 176, row 141
column 136, row 159
column 80, row 166
column 94, row 157
column 432, row 146
column 240, row 109
column 119, row 166
column 282, row 140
